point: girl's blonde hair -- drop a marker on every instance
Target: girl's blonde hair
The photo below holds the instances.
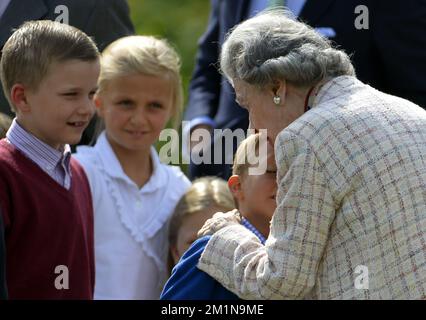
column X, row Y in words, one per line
column 204, row 193
column 145, row 55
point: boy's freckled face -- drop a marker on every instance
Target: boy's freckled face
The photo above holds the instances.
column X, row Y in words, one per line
column 62, row 105
column 135, row 109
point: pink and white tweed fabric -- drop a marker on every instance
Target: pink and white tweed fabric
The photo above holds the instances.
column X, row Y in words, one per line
column 352, row 194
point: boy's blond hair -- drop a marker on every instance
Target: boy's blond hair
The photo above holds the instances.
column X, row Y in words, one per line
column 145, row 55
column 244, row 153
column 35, row 46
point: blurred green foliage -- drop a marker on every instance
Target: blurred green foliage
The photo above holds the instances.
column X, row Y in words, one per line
column 181, row 22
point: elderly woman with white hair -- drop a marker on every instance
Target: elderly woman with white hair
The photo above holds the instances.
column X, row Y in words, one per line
column 350, row 221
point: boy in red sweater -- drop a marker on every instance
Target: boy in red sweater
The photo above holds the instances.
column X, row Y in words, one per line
column 49, row 73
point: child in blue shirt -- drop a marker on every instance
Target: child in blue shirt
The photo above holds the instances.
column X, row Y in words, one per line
column 255, row 197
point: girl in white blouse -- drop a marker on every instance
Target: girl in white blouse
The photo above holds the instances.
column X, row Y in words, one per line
column 134, row 194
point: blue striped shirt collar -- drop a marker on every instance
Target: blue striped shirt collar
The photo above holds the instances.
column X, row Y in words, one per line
column 46, row 157
column 249, row 226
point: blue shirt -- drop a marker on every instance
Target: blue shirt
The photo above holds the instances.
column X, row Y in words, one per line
column 187, row 282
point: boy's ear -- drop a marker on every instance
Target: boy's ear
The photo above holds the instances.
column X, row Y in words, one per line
column 234, row 184
column 18, row 95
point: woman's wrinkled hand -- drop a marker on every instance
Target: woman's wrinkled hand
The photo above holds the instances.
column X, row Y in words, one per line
column 219, row 221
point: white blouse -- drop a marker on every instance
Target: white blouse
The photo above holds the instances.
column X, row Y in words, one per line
column 131, row 224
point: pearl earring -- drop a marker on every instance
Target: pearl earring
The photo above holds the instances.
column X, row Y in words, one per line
column 277, row 100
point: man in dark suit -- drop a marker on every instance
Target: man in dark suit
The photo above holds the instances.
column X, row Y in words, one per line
column 388, row 52
column 105, row 21
column 211, row 101
column 3, row 289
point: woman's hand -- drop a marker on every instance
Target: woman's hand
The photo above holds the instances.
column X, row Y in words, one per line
column 219, row 221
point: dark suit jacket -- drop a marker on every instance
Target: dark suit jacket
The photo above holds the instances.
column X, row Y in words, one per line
column 105, row 21
column 389, row 56
column 210, row 94
column 3, row 290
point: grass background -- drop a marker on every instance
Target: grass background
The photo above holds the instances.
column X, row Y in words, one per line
column 181, row 22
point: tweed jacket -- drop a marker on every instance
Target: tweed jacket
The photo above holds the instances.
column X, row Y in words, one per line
column 350, row 221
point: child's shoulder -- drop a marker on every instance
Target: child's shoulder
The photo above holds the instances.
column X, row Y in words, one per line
column 176, row 175
column 85, row 155
column 173, row 170
column 173, row 174
column 5, row 151
column 84, row 152
column 88, row 158
column 10, row 157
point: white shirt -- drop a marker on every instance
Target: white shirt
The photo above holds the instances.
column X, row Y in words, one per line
column 3, row 6
column 131, row 240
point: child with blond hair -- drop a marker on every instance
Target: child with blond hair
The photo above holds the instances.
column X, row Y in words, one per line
column 254, row 195
column 134, row 194
column 49, row 73
column 205, row 197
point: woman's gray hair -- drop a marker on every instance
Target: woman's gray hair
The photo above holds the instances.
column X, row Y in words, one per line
column 273, row 46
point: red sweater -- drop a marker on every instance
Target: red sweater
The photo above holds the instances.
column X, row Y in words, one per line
column 46, row 226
